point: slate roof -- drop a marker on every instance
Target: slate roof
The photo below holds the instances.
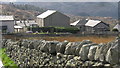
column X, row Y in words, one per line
column 46, row 14
column 27, row 24
column 3, row 18
column 92, row 23
column 75, row 23
column 79, row 22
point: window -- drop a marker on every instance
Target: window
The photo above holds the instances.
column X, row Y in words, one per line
column 4, row 29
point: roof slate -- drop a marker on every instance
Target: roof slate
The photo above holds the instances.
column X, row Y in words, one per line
column 46, row 14
column 92, row 23
column 79, row 22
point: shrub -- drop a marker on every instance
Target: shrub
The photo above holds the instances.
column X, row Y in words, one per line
column 67, row 29
column 7, row 62
column 54, row 29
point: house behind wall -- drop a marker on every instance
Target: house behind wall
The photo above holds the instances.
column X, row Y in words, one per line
column 7, row 24
column 91, row 26
column 80, row 24
column 95, row 26
column 23, row 25
column 53, row 18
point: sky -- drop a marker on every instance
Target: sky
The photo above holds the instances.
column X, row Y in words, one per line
column 59, row 0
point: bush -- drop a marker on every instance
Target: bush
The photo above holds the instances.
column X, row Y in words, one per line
column 54, row 29
column 47, row 29
column 33, row 29
column 67, row 29
column 7, row 62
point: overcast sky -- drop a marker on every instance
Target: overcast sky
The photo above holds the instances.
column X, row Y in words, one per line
column 59, row 0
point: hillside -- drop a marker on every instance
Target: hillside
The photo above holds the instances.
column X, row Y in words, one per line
column 21, row 11
column 102, row 9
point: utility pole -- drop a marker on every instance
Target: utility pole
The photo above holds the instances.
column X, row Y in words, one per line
column 118, row 15
column 118, row 38
column 119, row 12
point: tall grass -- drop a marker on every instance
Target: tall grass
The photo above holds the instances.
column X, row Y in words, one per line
column 95, row 39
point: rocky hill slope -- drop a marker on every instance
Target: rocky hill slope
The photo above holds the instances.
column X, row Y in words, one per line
column 24, row 11
column 20, row 11
column 102, row 9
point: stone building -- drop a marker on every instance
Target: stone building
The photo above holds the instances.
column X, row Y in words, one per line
column 53, row 18
column 96, row 26
column 7, row 24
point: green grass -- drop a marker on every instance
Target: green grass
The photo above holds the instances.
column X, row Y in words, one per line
column 7, row 62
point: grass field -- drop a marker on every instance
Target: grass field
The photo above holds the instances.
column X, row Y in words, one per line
column 95, row 39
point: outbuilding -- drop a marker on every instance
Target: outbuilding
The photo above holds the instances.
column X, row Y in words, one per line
column 53, row 18
column 80, row 24
column 7, row 24
column 117, row 28
column 97, row 26
column 22, row 26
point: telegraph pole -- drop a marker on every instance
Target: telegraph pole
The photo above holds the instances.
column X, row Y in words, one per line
column 118, row 38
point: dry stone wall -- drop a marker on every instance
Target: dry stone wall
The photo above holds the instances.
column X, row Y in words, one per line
column 54, row 53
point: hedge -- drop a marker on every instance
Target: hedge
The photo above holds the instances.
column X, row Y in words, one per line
column 54, row 29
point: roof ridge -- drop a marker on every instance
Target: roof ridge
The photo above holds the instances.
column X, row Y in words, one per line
column 46, row 13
